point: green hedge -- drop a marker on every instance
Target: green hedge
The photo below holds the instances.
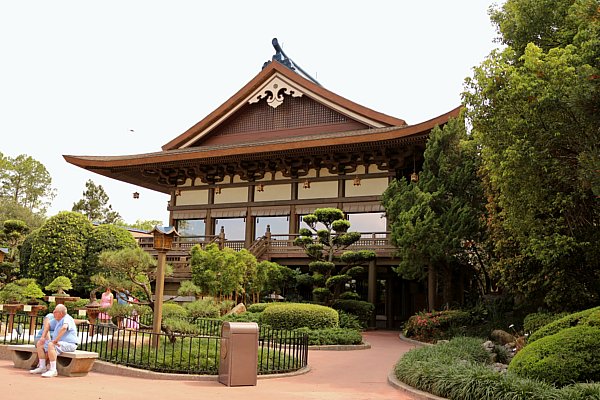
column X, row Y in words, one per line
column 298, row 315
column 257, row 307
column 332, row 336
column 361, row 309
column 458, row 370
column 568, row 321
column 571, row 355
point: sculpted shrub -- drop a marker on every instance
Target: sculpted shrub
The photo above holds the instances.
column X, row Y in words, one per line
column 571, row 355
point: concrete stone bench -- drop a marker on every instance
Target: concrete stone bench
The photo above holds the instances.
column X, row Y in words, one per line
column 72, row 363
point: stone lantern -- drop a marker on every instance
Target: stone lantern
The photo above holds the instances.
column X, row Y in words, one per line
column 163, row 242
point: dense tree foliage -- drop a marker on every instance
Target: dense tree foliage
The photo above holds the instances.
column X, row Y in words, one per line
column 438, row 222
column 324, row 241
column 224, row 273
column 25, row 182
column 94, row 205
column 58, row 248
column 535, row 110
column 102, row 237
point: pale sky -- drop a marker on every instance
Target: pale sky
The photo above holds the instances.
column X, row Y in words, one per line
column 77, row 76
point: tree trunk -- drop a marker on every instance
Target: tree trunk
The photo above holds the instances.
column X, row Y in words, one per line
column 431, row 287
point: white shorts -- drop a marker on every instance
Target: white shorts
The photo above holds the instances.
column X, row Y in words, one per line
column 62, row 347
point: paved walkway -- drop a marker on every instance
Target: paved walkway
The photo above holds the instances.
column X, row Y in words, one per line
column 348, row 375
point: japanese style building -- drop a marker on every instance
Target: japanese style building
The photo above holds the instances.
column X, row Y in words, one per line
column 279, row 148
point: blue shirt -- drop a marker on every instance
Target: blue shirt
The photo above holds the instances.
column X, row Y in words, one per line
column 122, row 298
column 49, row 317
column 70, row 336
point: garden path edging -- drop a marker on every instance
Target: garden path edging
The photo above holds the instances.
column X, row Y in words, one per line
column 341, row 347
column 392, row 380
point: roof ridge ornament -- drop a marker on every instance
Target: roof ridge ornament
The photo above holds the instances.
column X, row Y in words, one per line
column 283, row 59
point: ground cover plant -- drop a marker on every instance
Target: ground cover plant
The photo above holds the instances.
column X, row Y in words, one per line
column 460, row 369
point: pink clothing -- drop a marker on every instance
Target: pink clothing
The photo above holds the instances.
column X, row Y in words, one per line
column 105, row 302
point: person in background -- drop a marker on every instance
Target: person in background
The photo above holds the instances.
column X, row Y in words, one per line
column 122, row 297
column 64, row 339
column 105, row 302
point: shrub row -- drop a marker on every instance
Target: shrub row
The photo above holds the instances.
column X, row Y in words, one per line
column 332, row 336
column 298, row 315
column 458, row 370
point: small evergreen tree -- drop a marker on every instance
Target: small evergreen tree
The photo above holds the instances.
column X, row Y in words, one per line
column 325, row 247
column 59, row 285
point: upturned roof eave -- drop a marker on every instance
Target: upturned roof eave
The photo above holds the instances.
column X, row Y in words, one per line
column 202, row 152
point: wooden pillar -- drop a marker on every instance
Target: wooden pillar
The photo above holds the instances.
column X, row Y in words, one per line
column 372, row 288
column 249, row 229
column 431, row 287
column 293, row 225
column 158, row 297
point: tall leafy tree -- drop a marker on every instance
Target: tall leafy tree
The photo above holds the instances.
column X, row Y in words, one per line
column 535, row 110
column 58, row 248
column 437, row 223
column 325, row 241
column 94, row 205
column 26, row 182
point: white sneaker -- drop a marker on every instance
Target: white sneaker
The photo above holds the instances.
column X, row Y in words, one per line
column 38, row 370
column 51, row 373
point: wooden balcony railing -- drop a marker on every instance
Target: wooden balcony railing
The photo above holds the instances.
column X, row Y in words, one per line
column 270, row 246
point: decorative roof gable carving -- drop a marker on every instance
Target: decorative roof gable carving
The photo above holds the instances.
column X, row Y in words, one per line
column 274, row 91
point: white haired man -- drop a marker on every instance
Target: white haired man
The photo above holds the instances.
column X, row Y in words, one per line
column 63, row 338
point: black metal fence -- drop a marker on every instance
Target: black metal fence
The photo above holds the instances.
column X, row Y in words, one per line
column 279, row 351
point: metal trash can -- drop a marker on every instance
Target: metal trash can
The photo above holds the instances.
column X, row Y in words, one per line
column 239, row 354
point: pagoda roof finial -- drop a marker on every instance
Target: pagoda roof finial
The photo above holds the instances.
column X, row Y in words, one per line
column 282, row 58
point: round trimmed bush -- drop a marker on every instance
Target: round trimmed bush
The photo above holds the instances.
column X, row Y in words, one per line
column 571, row 355
column 297, row 315
column 578, row 318
column 537, row 320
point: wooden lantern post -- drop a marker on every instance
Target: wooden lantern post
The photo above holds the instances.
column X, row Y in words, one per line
column 163, row 241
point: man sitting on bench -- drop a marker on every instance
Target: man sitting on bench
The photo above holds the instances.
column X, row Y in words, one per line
column 64, row 338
